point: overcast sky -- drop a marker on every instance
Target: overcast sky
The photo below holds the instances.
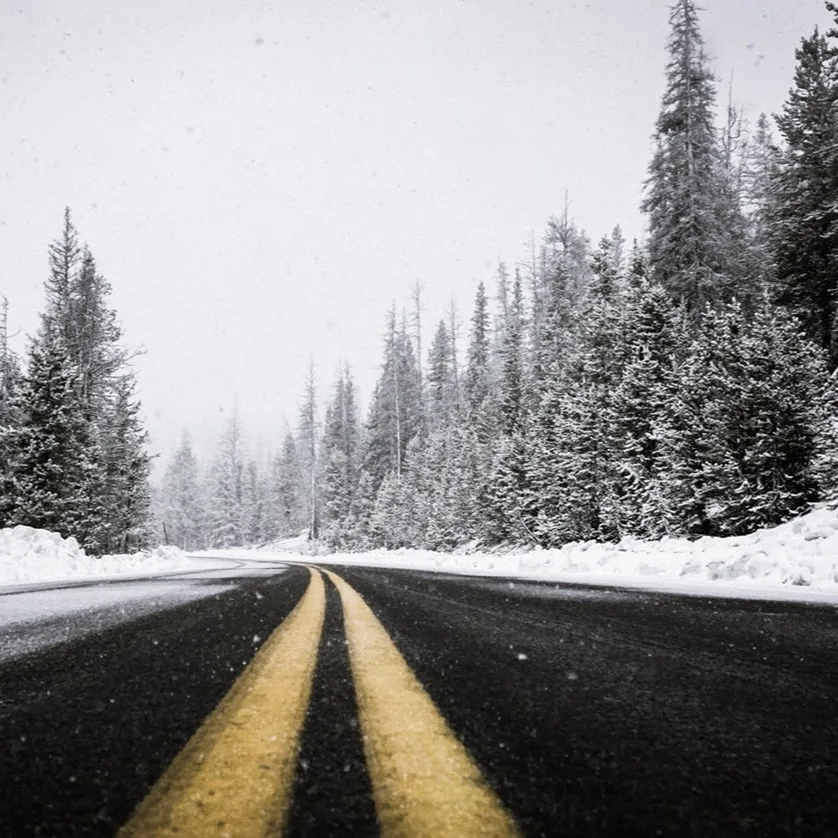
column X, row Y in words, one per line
column 260, row 182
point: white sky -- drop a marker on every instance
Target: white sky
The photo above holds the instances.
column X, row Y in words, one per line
column 259, row 182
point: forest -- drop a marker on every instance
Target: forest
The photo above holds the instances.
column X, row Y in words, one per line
column 678, row 386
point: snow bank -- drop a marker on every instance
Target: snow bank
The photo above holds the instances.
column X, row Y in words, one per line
column 802, row 553
column 30, row 555
column 796, row 557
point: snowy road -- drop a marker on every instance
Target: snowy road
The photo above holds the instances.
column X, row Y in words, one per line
column 585, row 711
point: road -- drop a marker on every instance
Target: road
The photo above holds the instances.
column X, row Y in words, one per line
column 543, row 709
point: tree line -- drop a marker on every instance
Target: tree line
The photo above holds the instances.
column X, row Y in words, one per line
column 681, row 387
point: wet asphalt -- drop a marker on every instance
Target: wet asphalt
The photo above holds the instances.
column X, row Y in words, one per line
column 590, row 711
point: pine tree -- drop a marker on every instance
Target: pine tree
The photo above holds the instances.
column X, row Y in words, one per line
column 78, row 322
column 286, row 513
column 54, row 479
column 10, row 413
column 760, row 173
column 308, row 438
column 477, row 379
column 341, row 456
column 640, row 407
column 441, row 379
column 182, row 509
column 512, row 385
column 126, row 465
column 395, row 415
column 568, row 439
column 693, row 216
column 751, row 419
column 254, row 504
column 226, row 477
column 564, row 280
column 804, row 212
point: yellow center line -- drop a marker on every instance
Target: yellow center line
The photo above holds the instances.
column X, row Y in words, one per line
column 424, row 781
column 235, row 776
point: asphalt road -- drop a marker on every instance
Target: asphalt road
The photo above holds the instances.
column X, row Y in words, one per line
column 588, row 711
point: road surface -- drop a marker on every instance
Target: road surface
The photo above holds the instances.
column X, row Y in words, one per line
column 459, row 706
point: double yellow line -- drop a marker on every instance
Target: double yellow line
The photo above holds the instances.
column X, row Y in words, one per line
column 235, row 776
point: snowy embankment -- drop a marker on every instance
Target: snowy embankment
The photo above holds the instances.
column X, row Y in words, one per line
column 794, row 560
column 797, row 560
column 30, row 556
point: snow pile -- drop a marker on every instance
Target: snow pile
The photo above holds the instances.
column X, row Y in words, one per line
column 30, row 555
column 802, row 552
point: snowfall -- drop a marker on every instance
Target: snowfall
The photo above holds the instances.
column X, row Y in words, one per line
column 796, row 560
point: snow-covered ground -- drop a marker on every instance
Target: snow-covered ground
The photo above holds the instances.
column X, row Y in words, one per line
column 797, row 560
column 30, row 556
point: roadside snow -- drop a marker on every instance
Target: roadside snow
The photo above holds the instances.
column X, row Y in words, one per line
column 30, row 556
column 796, row 560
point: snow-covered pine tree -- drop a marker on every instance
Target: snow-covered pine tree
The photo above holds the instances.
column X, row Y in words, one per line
column 511, row 397
column 181, row 504
column 562, row 285
column 341, row 461
column 285, row 514
column 308, row 441
column 225, row 484
column 437, row 499
column 568, row 439
column 441, row 379
column 126, row 465
column 55, row 482
column 693, row 216
column 502, row 502
column 254, row 502
column 477, row 377
column 390, row 522
column 639, row 410
column 758, row 177
column 10, row 412
column 395, row 414
column 803, row 213
column 78, row 315
column 750, row 422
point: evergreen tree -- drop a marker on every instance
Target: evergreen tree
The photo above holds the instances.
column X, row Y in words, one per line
column 308, row 437
column 341, row 456
column 78, row 323
column 395, row 415
column 512, row 385
column 477, row 381
column 54, row 478
column 563, row 284
column 125, row 463
column 225, row 480
column 636, row 502
column 759, row 175
column 751, row 420
column 10, row 413
column 286, row 513
column 568, row 439
column 694, row 221
column 804, row 211
column 181, row 507
column 441, row 379
column 253, row 505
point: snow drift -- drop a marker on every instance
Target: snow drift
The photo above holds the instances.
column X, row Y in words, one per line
column 801, row 552
column 30, row 555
